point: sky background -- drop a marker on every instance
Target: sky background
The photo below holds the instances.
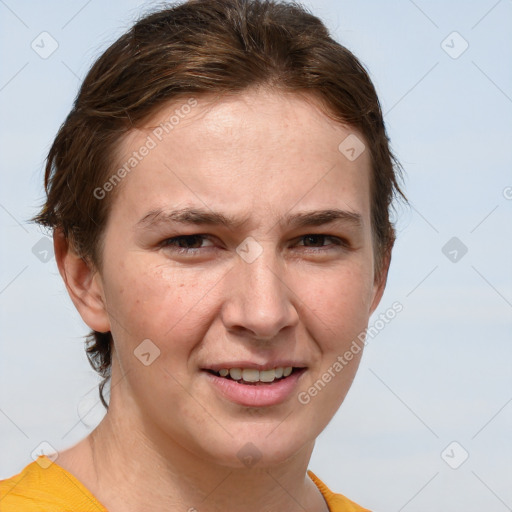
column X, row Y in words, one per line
column 440, row 372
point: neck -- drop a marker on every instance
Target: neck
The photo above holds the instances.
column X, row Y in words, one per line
column 130, row 466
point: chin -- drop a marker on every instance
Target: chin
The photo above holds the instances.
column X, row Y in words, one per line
column 259, row 447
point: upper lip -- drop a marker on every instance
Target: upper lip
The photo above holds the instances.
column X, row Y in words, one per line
column 252, row 365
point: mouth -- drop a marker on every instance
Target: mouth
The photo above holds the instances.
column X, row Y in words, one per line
column 253, row 387
column 253, row 376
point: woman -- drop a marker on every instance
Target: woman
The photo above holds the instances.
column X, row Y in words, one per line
column 219, row 197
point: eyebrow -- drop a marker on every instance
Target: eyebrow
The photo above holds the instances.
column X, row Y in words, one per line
column 200, row 216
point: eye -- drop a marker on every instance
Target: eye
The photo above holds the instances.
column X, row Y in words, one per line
column 186, row 243
column 319, row 241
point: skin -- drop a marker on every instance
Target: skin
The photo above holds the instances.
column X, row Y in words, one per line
column 168, row 434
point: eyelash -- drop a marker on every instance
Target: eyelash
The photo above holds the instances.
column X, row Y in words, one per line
column 170, row 243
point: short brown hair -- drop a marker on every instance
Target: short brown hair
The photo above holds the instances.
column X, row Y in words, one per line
column 204, row 47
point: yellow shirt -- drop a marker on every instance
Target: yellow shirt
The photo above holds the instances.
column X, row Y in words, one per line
column 44, row 486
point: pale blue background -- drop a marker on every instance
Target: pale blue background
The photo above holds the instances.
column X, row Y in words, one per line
column 441, row 371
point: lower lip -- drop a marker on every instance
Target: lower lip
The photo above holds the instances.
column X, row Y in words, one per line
column 256, row 395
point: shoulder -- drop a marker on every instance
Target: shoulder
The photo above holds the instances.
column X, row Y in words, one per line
column 43, row 486
column 335, row 502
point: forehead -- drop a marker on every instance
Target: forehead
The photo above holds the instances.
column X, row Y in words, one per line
column 254, row 149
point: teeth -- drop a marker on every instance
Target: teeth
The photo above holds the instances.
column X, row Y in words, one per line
column 235, row 373
column 252, row 375
column 267, row 375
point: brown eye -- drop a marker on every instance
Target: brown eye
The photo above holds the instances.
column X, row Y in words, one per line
column 190, row 242
column 185, row 242
column 314, row 240
column 321, row 241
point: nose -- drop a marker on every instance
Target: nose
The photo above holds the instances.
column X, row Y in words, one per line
column 259, row 303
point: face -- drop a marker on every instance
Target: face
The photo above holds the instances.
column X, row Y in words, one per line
column 240, row 244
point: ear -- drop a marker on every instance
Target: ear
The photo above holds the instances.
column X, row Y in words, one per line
column 380, row 280
column 83, row 283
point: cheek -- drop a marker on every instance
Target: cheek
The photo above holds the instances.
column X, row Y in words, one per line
column 156, row 302
column 338, row 302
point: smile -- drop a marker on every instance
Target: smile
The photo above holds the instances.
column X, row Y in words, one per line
column 252, row 375
column 251, row 387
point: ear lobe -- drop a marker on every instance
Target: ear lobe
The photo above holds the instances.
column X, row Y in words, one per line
column 83, row 283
